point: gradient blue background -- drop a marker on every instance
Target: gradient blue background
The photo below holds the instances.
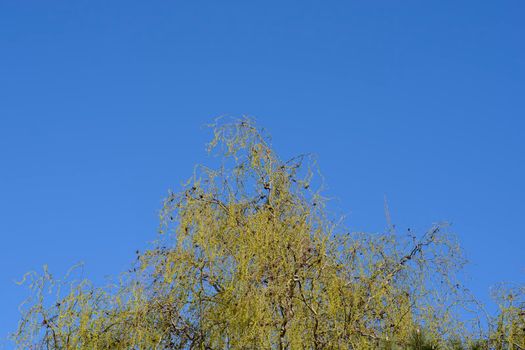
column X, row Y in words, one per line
column 102, row 107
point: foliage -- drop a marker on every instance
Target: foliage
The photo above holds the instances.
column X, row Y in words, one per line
column 509, row 325
column 248, row 258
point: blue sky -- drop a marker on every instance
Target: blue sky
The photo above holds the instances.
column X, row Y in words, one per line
column 102, row 107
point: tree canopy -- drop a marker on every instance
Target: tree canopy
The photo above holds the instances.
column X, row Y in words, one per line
column 248, row 257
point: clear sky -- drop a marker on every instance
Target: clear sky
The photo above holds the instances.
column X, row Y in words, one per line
column 102, row 107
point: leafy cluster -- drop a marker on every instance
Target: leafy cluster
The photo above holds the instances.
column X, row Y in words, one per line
column 248, row 259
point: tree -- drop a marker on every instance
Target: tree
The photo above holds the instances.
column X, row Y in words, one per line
column 249, row 258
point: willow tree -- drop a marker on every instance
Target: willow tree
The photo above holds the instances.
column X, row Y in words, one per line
column 248, row 258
